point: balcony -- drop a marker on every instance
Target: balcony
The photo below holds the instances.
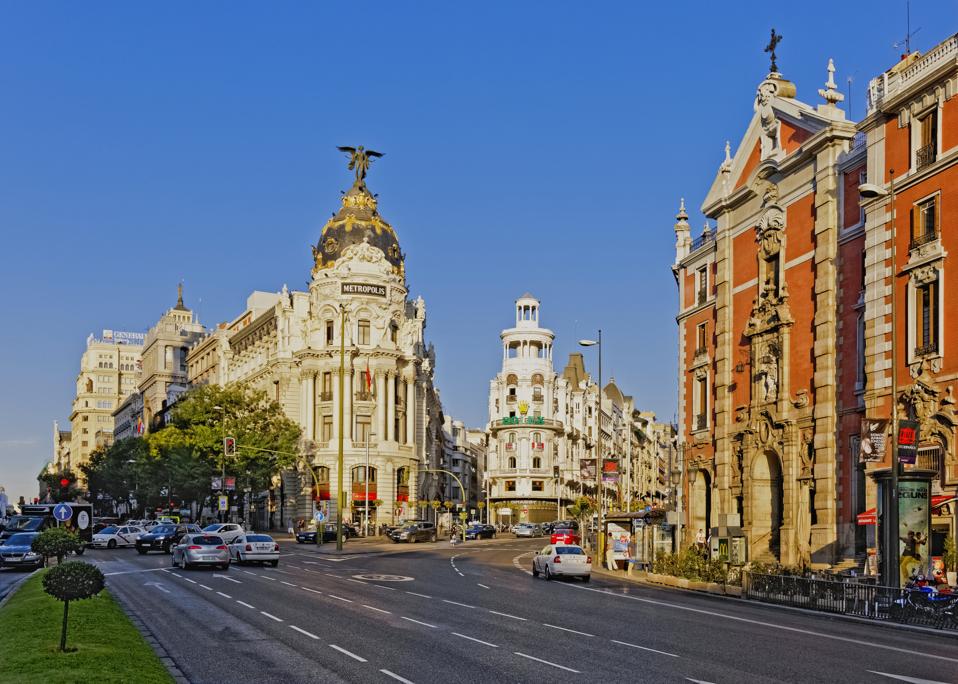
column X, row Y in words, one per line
column 402, row 493
column 325, row 396
column 701, row 422
column 510, row 398
column 510, row 446
column 364, row 396
column 702, row 240
column 538, row 446
column 703, row 295
column 926, row 350
column 537, row 398
column 527, row 420
column 925, row 155
column 701, row 351
column 923, row 239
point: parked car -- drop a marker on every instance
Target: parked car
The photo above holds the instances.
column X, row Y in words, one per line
column 480, row 532
column 228, row 531
column 565, row 532
column 112, row 537
column 528, row 530
column 308, row 534
column 201, row 549
column 562, row 560
column 103, row 523
column 163, row 537
column 254, row 548
column 17, row 551
column 547, row 527
column 413, row 532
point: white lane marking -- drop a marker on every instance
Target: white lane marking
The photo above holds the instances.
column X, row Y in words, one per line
column 157, row 585
column 419, row 595
column 206, row 587
column 312, row 590
column 130, row 572
column 762, row 623
column 646, row 648
column 456, row 603
column 546, row 662
column 176, row 574
column 903, row 678
column 294, row 567
column 350, row 579
column 271, row 617
column 396, row 677
column 243, row 603
column 224, row 595
column 267, row 577
column 478, row 641
column 514, row 617
column 228, row 579
column 424, row 624
column 482, row 585
column 460, row 574
column 280, row 571
column 382, row 587
column 566, row 629
column 339, row 598
column 349, row 653
column 380, row 610
column 698, row 681
column 303, row 631
column 515, row 562
column 250, row 573
column 189, row 580
column 288, row 584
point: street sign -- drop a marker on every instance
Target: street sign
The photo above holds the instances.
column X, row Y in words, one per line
column 62, row 512
column 319, row 516
column 230, row 483
column 907, row 441
column 216, row 482
column 224, row 503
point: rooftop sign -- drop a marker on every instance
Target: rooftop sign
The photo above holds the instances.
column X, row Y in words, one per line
column 364, row 289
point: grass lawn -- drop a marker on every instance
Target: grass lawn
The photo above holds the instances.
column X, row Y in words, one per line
column 108, row 647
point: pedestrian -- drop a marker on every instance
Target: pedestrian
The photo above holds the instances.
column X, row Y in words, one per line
column 289, row 528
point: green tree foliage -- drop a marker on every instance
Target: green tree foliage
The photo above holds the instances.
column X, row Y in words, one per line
column 72, row 581
column 113, row 471
column 56, row 541
column 57, row 492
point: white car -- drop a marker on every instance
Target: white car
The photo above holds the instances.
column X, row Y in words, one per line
column 562, row 560
column 254, row 548
column 114, row 536
column 228, row 531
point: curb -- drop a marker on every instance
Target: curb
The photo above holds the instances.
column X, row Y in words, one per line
column 888, row 624
column 168, row 662
column 11, row 588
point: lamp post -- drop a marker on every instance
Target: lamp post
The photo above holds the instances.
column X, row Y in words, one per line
column 871, row 191
column 340, row 494
column 222, row 411
column 366, row 509
column 600, row 541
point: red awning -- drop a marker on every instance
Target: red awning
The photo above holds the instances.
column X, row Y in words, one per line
column 870, row 517
column 940, row 500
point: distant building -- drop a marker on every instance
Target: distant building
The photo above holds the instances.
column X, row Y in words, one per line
column 463, row 454
column 62, row 439
column 128, row 418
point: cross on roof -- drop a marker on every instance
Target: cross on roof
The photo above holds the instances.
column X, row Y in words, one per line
column 770, row 48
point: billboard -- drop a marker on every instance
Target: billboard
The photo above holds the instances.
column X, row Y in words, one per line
column 122, row 337
column 587, row 469
column 914, row 501
column 874, row 438
column 610, row 470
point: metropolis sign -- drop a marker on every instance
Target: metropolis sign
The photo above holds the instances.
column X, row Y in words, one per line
column 364, row 289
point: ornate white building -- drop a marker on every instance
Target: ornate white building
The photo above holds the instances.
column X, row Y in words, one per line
column 288, row 343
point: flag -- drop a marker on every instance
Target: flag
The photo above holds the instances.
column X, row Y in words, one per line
column 369, row 378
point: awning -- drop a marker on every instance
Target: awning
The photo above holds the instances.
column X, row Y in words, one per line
column 870, row 517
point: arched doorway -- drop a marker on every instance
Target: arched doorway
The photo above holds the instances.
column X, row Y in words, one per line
column 701, row 494
column 767, row 506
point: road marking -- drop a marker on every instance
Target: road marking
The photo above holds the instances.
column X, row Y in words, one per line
column 329, row 574
column 130, row 572
column 224, row 595
column 380, row 610
column 206, row 587
column 546, row 662
column 566, row 629
column 424, row 624
column 349, row 653
column 482, row 585
column 280, row 571
column 646, row 648
column 385, row 587
column 762, row 623
column 303, row 631
column 903, row 678
column 478, row 641
column 288, row 584
column 312, row 590
column 515, row 562
column 420, row 595
column 176, row 574
column 294, row 567
column 396, row 677
column 267, row 577
column 339, row 598
column 228, row 579
column 698, row 681
column 456, row 603
column 271, row 617
column 349, row 579
column 514, row 617
column 243, row 603
column 250, row 573
column 189, row 580
column 158, row 586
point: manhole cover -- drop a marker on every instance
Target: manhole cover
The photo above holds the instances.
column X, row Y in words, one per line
column 384, row 578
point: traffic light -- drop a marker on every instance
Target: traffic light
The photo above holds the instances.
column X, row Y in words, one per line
column 229, row 446
column 65, row 483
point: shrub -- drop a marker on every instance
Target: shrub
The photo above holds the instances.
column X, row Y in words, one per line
column 72, row 581
column 57, row 541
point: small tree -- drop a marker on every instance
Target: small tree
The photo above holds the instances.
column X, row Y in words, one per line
column 56, row 541
column 950, row 558
column 377, row 503
column 72, row 581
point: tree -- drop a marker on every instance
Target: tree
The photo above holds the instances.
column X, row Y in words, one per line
column 72, row 581
column 54, row 479
column 56, row 541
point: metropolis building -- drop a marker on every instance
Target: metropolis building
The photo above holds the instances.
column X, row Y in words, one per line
column 288, row 343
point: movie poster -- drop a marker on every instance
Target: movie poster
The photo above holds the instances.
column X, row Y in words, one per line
column 913, row 522
column 610, row 470
column 874, row 436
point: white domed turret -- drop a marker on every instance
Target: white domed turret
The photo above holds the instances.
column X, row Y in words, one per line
column 527, row 345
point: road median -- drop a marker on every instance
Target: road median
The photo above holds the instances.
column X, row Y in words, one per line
column 104, row 644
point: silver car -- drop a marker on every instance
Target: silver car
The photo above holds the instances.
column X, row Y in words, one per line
column 201, row 549
column 528, row 530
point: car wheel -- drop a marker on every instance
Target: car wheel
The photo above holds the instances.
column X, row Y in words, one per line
column 173, row 561
column 274, row 563
column 535, row 570
column 587, row 578
column 432, row 538
column 225, row 566
column 111, row 544
column 140, row 551
column 548, row 574
column 80, row 550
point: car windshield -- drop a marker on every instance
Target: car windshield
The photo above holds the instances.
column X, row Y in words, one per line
column 570, row 551
column 207, row 540
column 24, row 523
column 107, row 530
column 212, row 528
column 23, row 539
column 164, row 529
column 259, row 538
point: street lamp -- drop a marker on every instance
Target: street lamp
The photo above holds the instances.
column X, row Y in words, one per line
column 366, row 509
column 600, row 541
column 872, row 191
column 222, row 412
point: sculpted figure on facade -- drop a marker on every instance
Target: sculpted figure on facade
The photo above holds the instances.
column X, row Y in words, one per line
column 767, row 119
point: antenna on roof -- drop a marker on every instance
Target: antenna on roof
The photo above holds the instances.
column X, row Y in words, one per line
column 906, row 42
column 848, row 96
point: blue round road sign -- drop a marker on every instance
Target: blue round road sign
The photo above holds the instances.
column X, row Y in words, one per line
column 62, row 512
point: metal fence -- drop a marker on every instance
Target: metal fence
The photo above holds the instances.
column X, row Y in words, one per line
column 852, row 597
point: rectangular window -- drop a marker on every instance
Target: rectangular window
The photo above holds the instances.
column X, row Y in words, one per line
column 928, row 142
column 701, row 344
column 327, row 389
column 329, row 332
column 510, row 485
column 925, row 217
column 701, row 403
column 363, row 332
column 327, row 430
column 702, row 283
column 363, row 428
column 537, row 485
column 926, row 318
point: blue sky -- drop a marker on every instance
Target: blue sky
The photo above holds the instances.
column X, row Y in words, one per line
column 537, row 146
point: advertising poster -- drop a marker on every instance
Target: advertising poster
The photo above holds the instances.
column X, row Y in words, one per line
column 619, row 540
column 610, row 470
column 874, row 436
column 913, row 519
column 587, row 469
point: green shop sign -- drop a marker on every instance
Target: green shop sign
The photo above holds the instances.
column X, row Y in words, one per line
column 523, row 420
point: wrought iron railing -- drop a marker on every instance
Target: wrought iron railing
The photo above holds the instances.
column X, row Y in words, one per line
column 925, row 155
column 926, row 350
column 922, row 239
column 703, row 295
column 701, row 351
column 701, row 422
column 702, row 240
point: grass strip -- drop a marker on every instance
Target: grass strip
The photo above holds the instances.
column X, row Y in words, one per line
column 108, row 648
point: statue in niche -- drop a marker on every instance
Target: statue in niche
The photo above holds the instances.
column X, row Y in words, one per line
column 768, row 372
column 766, row 118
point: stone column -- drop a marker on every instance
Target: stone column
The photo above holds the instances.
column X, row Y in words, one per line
column 303, row 399
column 335, row 408
column 381, row 406
column 348, row 404
column 391, row 406
column 410, row 411
column 311, row 407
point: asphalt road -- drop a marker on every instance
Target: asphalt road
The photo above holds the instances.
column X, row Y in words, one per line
column 473, row 613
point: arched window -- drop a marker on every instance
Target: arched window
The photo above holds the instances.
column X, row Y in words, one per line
column 512, row 462
column 536, row 463
column 321, row 486
column 360, row 486
column 393, row 332
column 402, row 484
column 359, row 472
column 537, row 380
column 536, row 437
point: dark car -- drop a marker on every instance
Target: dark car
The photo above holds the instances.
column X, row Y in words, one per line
column 413, row 532
column 25, row 523
column 164, row 537
column 480, row 532
column 17, row 552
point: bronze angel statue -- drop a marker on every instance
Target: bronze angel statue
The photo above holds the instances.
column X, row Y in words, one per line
column 359, row 160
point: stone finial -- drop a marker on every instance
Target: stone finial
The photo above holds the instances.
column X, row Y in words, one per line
column 830, row 92
column 707, row 229
column 683, row 233
column 682, row 215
